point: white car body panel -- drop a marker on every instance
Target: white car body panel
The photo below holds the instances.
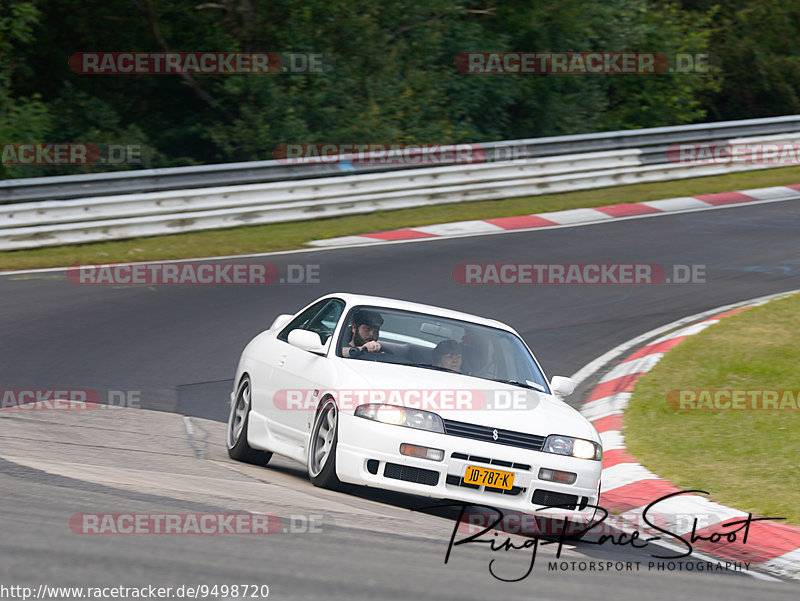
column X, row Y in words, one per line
column 275, row 365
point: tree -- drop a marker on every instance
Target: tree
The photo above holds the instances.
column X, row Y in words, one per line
column 22, row 119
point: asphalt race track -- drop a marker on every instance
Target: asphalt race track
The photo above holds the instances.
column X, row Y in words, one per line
column 176, row 348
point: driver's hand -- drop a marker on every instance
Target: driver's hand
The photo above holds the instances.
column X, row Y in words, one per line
column 373, row 346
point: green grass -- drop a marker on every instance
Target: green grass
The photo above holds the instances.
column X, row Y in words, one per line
column 285, row 236
column 746, row 459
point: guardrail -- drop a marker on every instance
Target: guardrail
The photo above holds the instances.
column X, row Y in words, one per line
column 109, row 217
column 153, row 180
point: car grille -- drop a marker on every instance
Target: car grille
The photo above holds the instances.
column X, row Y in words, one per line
column 549, row 497
column 486, row 434
column 497, row 462
column 411, row 474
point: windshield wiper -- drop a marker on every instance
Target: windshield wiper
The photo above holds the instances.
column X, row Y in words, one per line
column 516, row 383
column 436, row 367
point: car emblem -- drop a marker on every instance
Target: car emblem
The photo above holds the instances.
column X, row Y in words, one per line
column 495, row 436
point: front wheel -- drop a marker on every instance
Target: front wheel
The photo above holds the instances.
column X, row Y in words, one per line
column 322, row 446
column 237, row 428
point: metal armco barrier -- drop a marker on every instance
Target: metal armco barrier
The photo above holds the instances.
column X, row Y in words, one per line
column 79, row 211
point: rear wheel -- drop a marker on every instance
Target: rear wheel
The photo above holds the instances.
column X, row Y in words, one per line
column 237, row 428
column 322, row 447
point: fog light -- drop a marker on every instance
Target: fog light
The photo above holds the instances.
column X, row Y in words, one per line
column 413, row 450
column 557, row 476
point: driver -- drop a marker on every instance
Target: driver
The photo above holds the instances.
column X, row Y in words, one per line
column 364, row 333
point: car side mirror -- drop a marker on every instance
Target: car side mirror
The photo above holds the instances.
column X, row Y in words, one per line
column 306, row 340
column 562, row 386
column 280, row 321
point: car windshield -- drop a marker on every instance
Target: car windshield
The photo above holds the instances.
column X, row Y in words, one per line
column 438, row 343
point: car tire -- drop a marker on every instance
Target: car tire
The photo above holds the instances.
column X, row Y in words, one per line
column 322, row 446
column 236, row 436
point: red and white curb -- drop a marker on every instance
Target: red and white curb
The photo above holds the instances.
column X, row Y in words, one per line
column 571, row 217
column 628, row 487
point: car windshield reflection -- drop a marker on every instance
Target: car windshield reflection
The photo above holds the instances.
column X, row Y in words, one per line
column 437, row 343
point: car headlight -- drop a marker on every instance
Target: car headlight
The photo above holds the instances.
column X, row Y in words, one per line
column 574, row 447
column 402, row 416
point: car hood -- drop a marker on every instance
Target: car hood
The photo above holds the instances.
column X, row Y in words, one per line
column 468, row 399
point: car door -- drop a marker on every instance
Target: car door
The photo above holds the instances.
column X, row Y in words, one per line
column 297, row 373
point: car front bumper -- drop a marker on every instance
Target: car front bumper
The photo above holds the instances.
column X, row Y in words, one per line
column 368, row 454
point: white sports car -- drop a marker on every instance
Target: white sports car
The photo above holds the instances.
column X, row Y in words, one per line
column 416, row 399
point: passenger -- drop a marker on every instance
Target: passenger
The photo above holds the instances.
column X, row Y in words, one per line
column 364, row 332
column 447, row 354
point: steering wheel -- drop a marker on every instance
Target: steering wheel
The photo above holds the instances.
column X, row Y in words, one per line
column 383, row 356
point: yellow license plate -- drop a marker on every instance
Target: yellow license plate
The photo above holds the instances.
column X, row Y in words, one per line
column 484, row 476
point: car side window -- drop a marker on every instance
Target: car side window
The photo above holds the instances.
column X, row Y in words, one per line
column 324, row 322
column 320, row 317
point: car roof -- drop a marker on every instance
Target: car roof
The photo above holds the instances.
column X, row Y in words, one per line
column 391, row 303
